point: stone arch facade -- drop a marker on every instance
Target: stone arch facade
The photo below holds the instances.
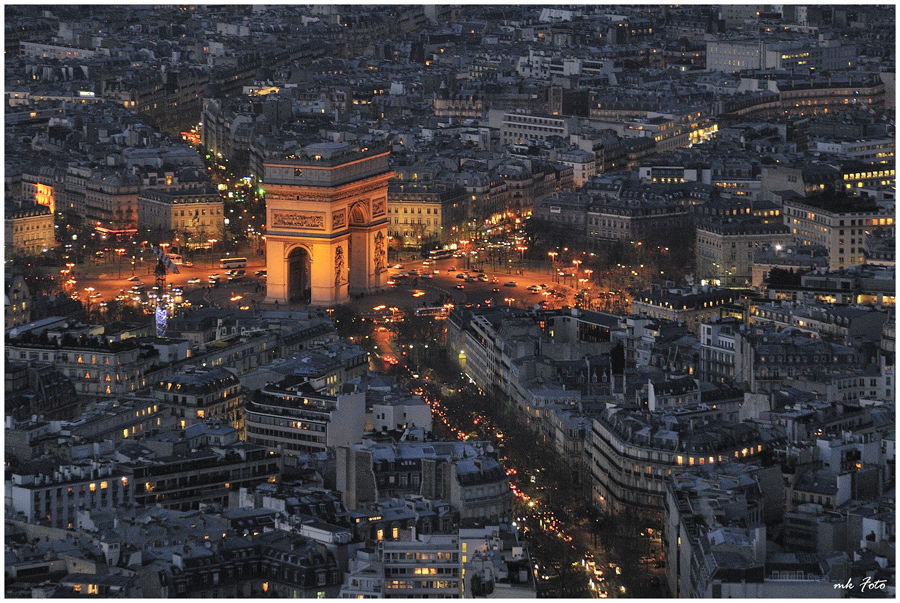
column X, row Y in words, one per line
column 332, row 203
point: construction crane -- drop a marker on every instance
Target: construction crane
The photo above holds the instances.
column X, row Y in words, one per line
column 164, row 263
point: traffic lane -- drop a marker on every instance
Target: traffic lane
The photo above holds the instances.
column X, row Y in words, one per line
column 110, row 283
column 479, row 291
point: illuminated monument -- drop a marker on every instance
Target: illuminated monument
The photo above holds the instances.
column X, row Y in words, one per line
column 326, row 223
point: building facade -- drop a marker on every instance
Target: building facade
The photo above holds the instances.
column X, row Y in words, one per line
column 294, row 418
column 194, row 215
column 29, row 230
column 205, row 394
column 725, row 250
column 838, row 225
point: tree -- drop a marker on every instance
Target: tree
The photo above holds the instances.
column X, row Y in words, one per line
column 418, row 329
column 349, row 323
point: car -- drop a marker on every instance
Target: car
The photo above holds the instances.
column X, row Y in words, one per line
column 177, row 290
column 483, row 278
column 509, row 284
column 214, row 275
column 193, row 281
column 603, row 594
column 96, row 295
column 397, row 267
column 261, row 273
column 133, row 279
column 460, row 275
column 426, row 275
column 496, row 289
column 451, row 269
column 188, row 263
column 460, row 286
column 534, row 288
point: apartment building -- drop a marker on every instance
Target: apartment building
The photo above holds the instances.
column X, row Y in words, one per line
column 270, row 564
column 39, row 186
column 838, row 224
column 426, row 567
column 196, row 215
column 474, row 484
column 872, row 151
column 111, row 200
column 124, row 418
column 293, row 418
column 633, row 217
column 419, row 213
column 690, row 306
column 17, row 300
column 764, row 359
column 827, row 321
column 583, row 163
column 717, row 350
column 29, row 230
column 526, row 129
column 53, row 499
column 188, row 478
column 96, row 368
column 631, row 454
column 708, row 556
column 203, row 394
column 725, row 250
column 860, row 177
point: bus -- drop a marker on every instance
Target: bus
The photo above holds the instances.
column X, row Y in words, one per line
column 226, row 263
column 437, row 312
column 439, row 254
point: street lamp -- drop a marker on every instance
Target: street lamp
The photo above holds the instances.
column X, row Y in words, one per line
column 89, row 291
column 577, row 264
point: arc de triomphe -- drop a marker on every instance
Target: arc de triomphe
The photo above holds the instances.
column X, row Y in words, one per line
column 326, row 223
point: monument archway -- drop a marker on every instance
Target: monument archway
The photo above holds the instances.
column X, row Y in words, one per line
column 326, row 223
column 298, row 281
